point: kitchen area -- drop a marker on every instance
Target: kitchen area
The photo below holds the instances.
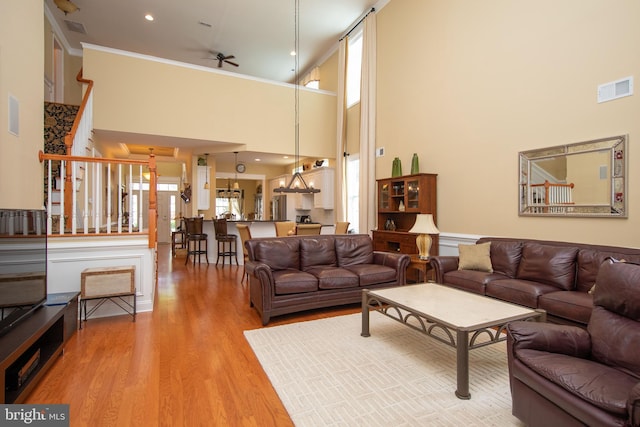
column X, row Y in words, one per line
column 268, row 207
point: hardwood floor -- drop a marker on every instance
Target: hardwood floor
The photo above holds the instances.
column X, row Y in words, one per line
column 187, row 363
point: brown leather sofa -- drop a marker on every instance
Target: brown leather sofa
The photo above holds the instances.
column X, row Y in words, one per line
column 562, row 375
column 554, row 276
column 297, row 273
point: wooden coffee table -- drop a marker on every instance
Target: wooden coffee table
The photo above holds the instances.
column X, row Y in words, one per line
column 457, row 318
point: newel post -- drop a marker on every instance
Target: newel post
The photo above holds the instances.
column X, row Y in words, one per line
column 153, row 201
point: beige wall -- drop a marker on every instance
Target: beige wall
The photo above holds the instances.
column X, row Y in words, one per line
column 72, row 87
column 71, row 65
column 170, row 100
column 21, row 66
column 329, row 74
column 467, row 85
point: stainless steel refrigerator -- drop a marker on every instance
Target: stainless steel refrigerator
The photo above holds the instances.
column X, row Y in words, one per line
column 279, row 207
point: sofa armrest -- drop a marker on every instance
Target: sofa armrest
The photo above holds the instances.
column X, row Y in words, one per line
column 397, row 261
column 262, row 272
column 442, row 264
column 633, row 406
column 570, row 340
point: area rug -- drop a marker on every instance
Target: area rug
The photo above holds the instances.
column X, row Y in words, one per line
column 326, row 374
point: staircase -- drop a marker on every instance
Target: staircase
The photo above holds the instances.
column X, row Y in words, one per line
column 58, row 122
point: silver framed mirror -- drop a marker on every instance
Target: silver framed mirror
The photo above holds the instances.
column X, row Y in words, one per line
column 585, row 179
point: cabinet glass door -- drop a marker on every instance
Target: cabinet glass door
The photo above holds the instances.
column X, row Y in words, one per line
column 384, row 196
column 413, row 194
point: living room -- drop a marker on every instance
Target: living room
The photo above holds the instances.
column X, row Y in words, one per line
column 465, row 85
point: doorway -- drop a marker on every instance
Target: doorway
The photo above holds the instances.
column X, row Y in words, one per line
column 168, row 208
column 58, row 71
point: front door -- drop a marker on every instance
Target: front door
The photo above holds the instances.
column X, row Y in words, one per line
column 167, row 212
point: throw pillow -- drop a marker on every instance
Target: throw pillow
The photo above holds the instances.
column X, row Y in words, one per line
column 475, row 257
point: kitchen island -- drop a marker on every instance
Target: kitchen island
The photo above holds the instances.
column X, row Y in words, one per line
column 259, row 228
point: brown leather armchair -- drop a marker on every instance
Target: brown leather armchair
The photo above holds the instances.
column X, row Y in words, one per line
column 568, row 376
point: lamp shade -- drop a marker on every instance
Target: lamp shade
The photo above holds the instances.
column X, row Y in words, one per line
column 424, row 225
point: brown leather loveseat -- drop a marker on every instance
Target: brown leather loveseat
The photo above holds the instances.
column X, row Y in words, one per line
column 296, row 273
column 550, row 275
column 562, row 375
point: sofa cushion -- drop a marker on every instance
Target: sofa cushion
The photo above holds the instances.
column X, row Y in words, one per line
column 317, row 251
column 617, row 289
column 598, row 384
column 589, row 262
column 523, row 292
column 572, row 305
column 278, row 254
column 470, row 280
column 356, row 250
column 553, row 265
column 334, row 277
column 291, row 281
column 614, row 321
column 475, row 257
column 505, row 255
column 372, row 274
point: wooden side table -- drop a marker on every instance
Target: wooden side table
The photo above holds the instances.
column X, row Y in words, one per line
column 423, row 266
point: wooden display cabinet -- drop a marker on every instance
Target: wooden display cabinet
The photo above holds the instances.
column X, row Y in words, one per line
column 400, row 199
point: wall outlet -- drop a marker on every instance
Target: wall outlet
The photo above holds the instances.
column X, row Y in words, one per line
column 380, row 152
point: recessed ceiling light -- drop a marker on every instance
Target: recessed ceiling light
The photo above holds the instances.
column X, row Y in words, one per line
column 258, row 160
column 148, row 17
column 285, row 157
column 292, row 53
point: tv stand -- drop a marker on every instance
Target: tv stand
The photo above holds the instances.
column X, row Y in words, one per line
column 28, row 351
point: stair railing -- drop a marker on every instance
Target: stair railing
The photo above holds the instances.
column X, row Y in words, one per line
column 93, row 199
column 77, row 140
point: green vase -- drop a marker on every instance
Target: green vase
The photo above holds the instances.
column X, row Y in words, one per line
column 396, row 168
column 415, row 167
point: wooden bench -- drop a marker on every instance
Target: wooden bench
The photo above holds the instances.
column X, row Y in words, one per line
column 108, row 283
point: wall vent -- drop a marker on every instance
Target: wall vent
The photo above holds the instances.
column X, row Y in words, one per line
column 614, row 90
column 76, row 27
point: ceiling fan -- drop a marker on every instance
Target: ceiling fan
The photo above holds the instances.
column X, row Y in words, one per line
column 221, row 58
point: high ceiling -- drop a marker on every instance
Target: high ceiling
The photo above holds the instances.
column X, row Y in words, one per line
column 259, row 33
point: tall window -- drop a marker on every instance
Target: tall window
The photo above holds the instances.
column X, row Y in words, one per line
column 354, row 67
column 353, row 192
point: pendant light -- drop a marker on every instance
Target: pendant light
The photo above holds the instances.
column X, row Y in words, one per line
column 297, row 183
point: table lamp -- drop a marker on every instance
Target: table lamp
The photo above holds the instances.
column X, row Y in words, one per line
column 424, row 226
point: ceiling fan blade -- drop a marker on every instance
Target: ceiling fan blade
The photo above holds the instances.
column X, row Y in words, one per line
column 232, row 63
column 229, row 57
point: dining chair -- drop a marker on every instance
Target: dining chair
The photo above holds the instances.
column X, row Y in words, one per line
column 306, row 229
column 285, row 228
column 342, row 227
column 245, row 234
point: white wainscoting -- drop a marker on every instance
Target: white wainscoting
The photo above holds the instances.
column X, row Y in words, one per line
column 67, row 257
column 449, row 242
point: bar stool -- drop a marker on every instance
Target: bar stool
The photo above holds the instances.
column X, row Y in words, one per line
column 225, row 239
column 195, row 238
column 178, row 237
